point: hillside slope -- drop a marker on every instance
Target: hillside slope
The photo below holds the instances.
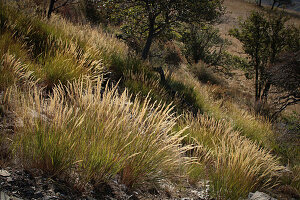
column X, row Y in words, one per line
column 78, row 108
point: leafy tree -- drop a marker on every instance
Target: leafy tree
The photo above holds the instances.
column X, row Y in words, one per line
column 204, row 43
column 253, row 35
column 264, row 38
column 284, row 75
column 151, row 19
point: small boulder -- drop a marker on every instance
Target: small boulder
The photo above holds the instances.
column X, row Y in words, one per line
column 4, row 173
column 4, row 196
column 260, row 196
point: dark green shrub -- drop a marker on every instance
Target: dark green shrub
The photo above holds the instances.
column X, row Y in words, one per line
column 203, row 43
column 205, row 74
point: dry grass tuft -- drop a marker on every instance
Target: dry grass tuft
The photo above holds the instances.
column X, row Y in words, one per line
column 234, row 164
column 97, row 133
column 95, row 38
column 255, row 128
column 12, row 71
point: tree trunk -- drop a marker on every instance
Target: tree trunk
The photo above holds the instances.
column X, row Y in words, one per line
column 260, row 85
column 266, row 92
column 161, row 73
column 196, row 57
column 256, row 83
column 149, row 38
column 274, row 1
column 147, row 45
column 51, row 7
column 259, row 3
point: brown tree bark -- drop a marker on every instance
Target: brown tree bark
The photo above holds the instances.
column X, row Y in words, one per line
column 149, row 39
column 51, row 8
column 274, row 1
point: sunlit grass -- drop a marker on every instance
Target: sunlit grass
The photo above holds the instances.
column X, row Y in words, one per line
column 234, row 164
column 255, row 128
column 97, row 133
column 12, row 71
column 51, row 53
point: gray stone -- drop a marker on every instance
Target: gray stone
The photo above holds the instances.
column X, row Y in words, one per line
column 4, row 173
column 4, row 196
column 90, row 198
column 260, row 196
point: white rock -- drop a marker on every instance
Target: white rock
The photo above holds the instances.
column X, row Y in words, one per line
column 4, row 196
column 4, row 173
column 259, row 196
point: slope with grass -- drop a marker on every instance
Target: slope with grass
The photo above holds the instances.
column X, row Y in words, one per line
column 85, row 110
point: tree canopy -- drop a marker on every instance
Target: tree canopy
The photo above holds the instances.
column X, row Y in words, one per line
column 153, row 18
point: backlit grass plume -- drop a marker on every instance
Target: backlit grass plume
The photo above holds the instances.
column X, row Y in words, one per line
column 97, row 133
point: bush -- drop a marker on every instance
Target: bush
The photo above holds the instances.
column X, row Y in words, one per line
column 205, row 74
column 203, row 43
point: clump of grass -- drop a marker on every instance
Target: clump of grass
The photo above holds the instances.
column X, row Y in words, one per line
column 11, row 46
column 296, row 179
column 55, row 57
column 205, row 74
column 7, row 76
column 256, row 128
column 144, row 84
column 30, row 30
column 12, row 71
column 92, row 37
column 97, row 133
column 60, row 51
column 234, row 164
column 203, row 100
column 65, row 65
